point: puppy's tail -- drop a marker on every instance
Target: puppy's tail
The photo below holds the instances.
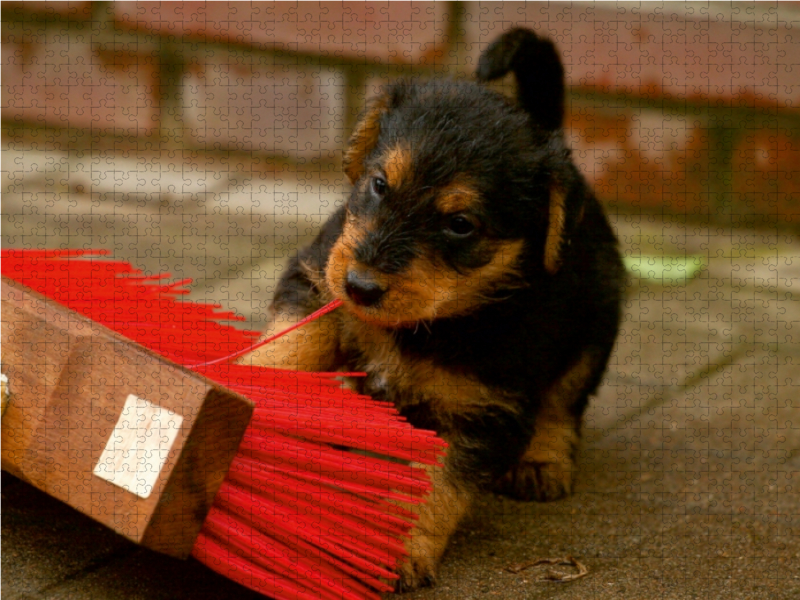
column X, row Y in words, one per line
column 538, row 70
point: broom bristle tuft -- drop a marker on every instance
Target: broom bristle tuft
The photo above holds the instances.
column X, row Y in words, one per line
column 300, row 515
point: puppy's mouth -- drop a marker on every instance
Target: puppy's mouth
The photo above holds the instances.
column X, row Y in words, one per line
column 397, row 301
column 423, row 292
column 387, row 301
column 373, row 298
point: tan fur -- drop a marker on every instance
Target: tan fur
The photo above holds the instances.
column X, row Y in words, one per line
column 397, row 165
column 548, row 463
column 464, row 293
column 449, row 391
column 312, row 347
column 425, row 290
column 363, row 140
column 458, row 197
column 340, row 259
column 555, row 231
column 440, row 292
column 439, row 516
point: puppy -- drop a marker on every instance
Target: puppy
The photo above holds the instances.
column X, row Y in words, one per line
column 481, row 283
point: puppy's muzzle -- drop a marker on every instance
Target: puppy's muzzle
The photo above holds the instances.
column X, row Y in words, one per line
column 363, row 288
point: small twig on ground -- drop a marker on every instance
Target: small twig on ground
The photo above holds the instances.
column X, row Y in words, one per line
column 552, row 575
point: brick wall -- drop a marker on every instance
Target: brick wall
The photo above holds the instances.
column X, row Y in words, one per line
column 692, row 109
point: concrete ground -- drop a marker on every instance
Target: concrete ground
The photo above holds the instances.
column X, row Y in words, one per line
column 689, row 483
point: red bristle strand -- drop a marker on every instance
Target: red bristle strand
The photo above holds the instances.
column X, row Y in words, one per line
column 342, row 418
column 409, row 447
column 268, row 552
column 303, row 556
column 351, row 507
column 329, row 476
column 225, row 528
column 248, row 472
column 350, row 471
column 322, row 311
column 317, row 531
column 275, row 484
column 270, row 583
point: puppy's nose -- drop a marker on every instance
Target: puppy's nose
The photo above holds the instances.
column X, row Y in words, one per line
column 362, row 288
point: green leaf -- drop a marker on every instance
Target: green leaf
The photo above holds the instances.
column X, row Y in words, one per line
column 666, row 270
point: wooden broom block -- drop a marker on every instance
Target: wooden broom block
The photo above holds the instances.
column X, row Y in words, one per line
column 112, row 429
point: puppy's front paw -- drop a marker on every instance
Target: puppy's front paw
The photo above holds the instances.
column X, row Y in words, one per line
column 419, row 568
column 437, row 521
column 540, row 481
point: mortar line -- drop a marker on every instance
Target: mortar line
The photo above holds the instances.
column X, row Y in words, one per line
column 659, row 397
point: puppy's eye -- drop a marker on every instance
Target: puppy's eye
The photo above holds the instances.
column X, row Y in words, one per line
column 459, row 226
column 378, row 185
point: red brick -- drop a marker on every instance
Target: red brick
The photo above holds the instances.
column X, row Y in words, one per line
column 240, row 101
column 400, row 32
column 69, row 9
column 766, row 174
column 52, row 78
column 642, row 158
column 696, row 55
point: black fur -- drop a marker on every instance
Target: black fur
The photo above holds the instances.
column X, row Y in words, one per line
column 532, row 328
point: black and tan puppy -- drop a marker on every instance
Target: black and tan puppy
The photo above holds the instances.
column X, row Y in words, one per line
column 481, row 283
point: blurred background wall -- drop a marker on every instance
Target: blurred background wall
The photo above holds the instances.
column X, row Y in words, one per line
column 207, row 138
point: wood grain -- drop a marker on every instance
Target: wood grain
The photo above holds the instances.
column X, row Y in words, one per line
column 70, row 378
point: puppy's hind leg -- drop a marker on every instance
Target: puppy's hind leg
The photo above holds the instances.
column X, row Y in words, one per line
column 547, row 469
column 483, row 442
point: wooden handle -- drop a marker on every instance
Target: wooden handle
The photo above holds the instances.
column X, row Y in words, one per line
column 112, row 429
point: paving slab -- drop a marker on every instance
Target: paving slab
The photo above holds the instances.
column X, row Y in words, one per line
column 689, row 482
column 52, row 551
column 226, row 226
column 46, row 542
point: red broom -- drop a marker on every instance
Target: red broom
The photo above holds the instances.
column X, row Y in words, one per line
column 297, row 516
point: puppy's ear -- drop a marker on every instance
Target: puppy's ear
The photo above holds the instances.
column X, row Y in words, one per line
column 537, row 67
column 364, row 138
column 565, row 214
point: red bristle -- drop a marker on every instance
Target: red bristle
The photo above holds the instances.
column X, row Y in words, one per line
column 322, row 311
column 296, row 517
column 312, row 464
column 349, row 505
column 271, row 583
column 273, row 483
column 262, row 549
column 316, row 529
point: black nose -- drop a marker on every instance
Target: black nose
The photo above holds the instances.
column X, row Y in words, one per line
column 362, row 288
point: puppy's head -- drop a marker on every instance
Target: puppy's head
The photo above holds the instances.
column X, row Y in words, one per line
column 452, row 195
